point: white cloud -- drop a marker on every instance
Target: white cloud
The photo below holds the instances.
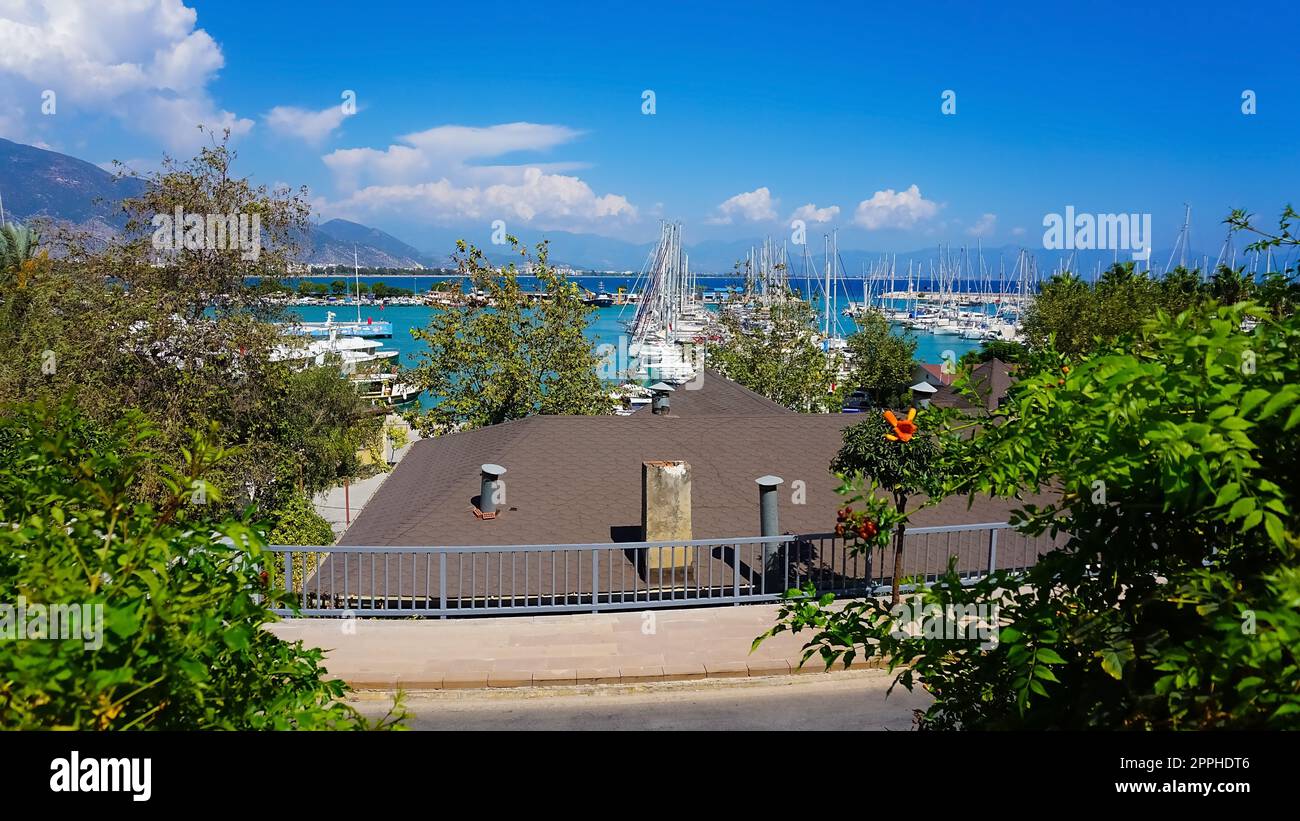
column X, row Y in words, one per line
column 1017, row 231
column 311, row 127
column 752, row 206
column 142, row 61
column 446, row 150
column 430, row 172
column 894, row 209
column 983, row 226
column 811, row 213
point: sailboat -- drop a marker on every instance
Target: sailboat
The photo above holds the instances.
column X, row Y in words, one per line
column 667, row 319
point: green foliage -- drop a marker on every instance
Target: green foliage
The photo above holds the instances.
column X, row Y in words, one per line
column 881, row 361
column 1175, row 599
column 1011, row 352
column 191, row 282
column 297, row 522
column 1074, row 314
column 903, row 469
column 183, row 601
column 780, row 360
column 384, row 291
column 1074, row 317
column 18, row 250
column 1240, row 220
column 187, row 343
column 514, row 358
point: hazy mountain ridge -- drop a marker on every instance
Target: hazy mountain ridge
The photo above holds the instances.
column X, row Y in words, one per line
column 37, row 183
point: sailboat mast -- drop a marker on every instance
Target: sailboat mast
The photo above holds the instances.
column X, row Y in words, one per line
column 356, row 278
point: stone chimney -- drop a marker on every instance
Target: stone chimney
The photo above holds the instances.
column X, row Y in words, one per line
column 666, row 515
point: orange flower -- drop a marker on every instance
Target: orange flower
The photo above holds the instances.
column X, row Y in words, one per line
column 904, row 429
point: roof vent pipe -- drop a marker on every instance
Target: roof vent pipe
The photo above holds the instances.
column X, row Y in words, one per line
column 768, row 504
column 492, row 489
column 659, row 404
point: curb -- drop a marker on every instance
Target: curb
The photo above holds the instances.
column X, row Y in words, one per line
column 523, row 679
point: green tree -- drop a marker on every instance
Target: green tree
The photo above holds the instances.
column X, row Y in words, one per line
column 881, row 361
column 513, row 358
column 1076, row 317
column 779, row 359
column 19, row 253
column 881, row 452
column 182, row 336
column 183, row 601
column 1012, row 352
column 1171, row 603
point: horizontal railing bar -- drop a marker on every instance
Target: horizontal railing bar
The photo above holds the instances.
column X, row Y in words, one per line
column 921, row 531
column 526, row 548
column 532, row 548
column 365, row 612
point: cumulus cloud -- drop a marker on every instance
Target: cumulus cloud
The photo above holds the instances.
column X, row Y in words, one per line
column 811, row 213
column 894, row 209
column 433, row 172
column 142, row 61
column 752, row 206
column 309, row 126
column 983, row 226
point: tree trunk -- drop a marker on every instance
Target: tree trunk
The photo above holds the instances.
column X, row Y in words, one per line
column 898, row 561
column 900, row 505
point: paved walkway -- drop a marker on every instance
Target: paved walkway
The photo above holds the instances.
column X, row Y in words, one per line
column 850, row 700
column 524, row 651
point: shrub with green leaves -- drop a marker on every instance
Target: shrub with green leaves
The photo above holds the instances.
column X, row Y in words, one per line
column 182, row 595
column 1175, row 600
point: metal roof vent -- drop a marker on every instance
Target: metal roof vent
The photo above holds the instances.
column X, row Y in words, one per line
column 659, row 405
column 492, row 491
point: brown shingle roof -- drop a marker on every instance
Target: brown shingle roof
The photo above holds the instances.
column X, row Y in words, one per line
column 990, row 380
column 716, row 395
column 577, row 480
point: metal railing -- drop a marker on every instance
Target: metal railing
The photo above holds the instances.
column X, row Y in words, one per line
column 335, row 580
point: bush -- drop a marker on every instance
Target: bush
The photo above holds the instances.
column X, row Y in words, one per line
column 1173, row 603
column 183, row 601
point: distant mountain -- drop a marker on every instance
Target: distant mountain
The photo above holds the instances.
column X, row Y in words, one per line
column 36, row 183
column 331, row 243
column 39, row 183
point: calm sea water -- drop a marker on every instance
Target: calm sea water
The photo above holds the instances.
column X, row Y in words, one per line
column 607, row 324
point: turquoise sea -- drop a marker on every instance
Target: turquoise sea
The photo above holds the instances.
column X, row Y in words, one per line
column 607, row 324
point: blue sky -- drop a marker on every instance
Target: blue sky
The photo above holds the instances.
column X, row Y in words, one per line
column 771, row 106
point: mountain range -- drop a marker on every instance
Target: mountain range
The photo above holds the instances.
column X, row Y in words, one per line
column 35, row 182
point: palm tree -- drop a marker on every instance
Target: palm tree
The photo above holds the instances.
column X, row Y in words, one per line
column 18, row 249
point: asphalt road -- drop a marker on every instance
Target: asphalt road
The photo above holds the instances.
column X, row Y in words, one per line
column 838, row 701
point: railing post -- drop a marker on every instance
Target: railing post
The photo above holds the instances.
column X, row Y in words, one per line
column 735, row 573
column 442, row 583
column 595, row 579
column 288, row 573
column 993, row 550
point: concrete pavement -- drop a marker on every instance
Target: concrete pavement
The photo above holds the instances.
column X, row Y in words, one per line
column 852, row 700
column 555, row 650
